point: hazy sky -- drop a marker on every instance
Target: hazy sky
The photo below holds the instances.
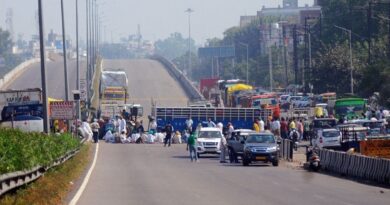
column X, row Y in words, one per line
column 158, row 18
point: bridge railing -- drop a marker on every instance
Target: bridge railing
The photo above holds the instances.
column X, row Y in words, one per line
column 193, row 93
column 16, row 179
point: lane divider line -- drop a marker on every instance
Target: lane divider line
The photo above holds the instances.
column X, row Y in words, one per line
column 86, row 179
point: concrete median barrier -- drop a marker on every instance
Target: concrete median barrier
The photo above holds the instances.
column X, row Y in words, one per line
column 359, row 166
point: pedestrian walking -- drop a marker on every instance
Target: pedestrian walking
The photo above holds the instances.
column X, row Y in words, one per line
column 276, row 127
column 230, row 130
column 95, row 130
column 168, row 136
column 300, row 129
column 191, row 147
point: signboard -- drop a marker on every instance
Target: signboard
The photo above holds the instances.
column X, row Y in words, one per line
column 83, row 89
column 218, row 52
column 375, row 148
column 63, row 110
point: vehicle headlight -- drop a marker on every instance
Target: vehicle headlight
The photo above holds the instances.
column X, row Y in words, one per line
column 200, row 144
column 272, row 149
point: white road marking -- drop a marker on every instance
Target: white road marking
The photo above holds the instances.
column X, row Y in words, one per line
column 86, row 179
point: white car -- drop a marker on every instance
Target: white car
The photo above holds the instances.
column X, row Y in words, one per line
column 209, row 140
column 327, row 138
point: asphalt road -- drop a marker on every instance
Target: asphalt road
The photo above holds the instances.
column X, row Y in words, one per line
column 31, row 78
column 151, row 174
column 148, row 80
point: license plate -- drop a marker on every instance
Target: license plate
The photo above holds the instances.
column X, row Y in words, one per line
column 261, row 158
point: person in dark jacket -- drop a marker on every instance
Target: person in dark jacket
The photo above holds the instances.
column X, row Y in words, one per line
column 168, row 131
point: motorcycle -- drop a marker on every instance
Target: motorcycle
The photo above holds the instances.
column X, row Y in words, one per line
column 313, row 158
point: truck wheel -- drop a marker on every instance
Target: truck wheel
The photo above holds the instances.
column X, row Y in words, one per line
column 275, row 163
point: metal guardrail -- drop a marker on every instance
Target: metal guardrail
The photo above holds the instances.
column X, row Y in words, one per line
column 16, row 179
column 363, row 167
column 286, row 150
column 189, row 88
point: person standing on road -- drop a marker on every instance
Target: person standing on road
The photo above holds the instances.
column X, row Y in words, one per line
column 256, row 126
column 223, row 147
column 95, row 130
column 276, row 127
column 191, row 146
column 189, row 124
column 168, row 136
column 210, row 123
column 230, row 130
column 300, row 129
column 261, row 125
column 284, row 128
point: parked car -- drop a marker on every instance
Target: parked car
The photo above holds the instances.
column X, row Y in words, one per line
column 327, row 138
column 235, row 145
column 209, row 140
column 262, row 147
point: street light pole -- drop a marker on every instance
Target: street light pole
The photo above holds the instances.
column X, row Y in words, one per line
column 350, row 53
column 247, row 61
column 189, row 11
column 64, row 51
column 43, row 70
column 77, row 59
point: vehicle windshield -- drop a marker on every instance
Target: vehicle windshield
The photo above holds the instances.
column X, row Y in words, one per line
column 210, row 134
column 330, row 134
column 260, row 139
column 323, row 124
column 348, row 110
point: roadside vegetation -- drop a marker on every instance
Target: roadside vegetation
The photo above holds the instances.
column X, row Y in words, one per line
column 54, row 186
column 22, row 151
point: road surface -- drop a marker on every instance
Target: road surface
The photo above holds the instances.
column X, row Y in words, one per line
column 151, row 174
column 31, row 78
column 149, row 80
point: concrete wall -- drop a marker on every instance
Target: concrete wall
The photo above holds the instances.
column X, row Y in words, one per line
column 192, row 92
column 14, row 73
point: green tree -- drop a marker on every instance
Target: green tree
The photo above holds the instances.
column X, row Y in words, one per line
column 174, row 46
column 5, row 42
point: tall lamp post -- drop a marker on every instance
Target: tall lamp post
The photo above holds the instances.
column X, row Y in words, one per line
column 77, row 58
column 64, row 51
column 189, row 11
column 43, row 70
column 247, row 61
column 350, row 52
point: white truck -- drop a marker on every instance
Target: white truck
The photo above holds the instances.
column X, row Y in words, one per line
column 22, row 109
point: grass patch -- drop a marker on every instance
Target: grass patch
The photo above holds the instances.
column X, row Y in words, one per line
column 54, row 186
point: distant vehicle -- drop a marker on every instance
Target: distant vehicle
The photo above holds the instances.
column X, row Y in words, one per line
column 327, row 138
column 261, row 147
column 294, row 100
column 267, row 101
column 113, row 92
column 350, row 108
column 209, row 141
column 322, row 123
column 235, row 145
column 239, row 117
column 22, row 109
column 376, row 127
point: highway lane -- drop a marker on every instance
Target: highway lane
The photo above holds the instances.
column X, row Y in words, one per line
column 152, row 174
column 31, row 78
column 149, row 80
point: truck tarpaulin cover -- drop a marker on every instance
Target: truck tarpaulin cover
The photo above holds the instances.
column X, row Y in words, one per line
column 207, row 84
column 114, row 79
column 238, row 87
